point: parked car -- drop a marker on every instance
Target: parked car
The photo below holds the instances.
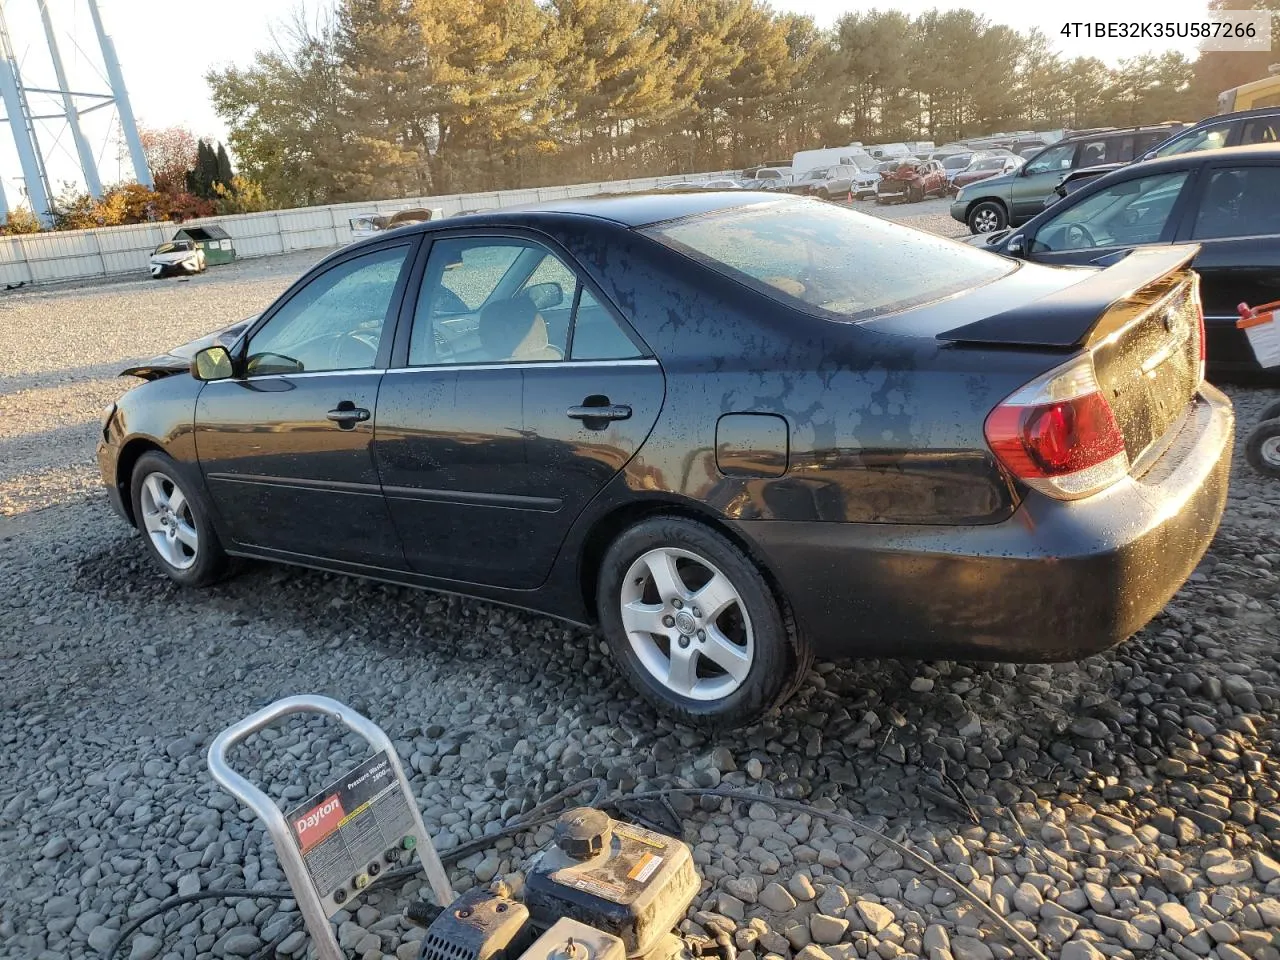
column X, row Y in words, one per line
column 953, row 163
column 1227, row 201
column 653, row 413
column 362, row 228
column 911, row 181
column 1014, row 198
column 722, row 185
column 828, row 183
column 983, row 167
column 1233, row 130
column 177, row 258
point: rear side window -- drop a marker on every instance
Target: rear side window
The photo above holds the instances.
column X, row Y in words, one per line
column 1244, row 202
column 829, row 261
column 1262, row 130
column 1206, row 138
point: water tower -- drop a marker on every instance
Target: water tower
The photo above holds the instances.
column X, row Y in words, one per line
column 72, row 106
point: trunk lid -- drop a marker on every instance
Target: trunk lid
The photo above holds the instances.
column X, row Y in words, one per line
column 1142, row 325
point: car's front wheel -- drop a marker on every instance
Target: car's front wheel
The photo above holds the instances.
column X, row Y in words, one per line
column 987, row 217
column 695, row 626
column 175, row 522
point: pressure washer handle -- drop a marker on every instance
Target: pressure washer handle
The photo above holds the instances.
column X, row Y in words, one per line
column 273, row 818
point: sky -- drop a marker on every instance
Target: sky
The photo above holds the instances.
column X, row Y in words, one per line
column 164, row 58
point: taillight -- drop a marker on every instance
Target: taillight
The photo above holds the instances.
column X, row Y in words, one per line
column 1058, row 434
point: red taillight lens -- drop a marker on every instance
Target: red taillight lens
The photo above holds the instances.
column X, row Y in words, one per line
column 1059, row 435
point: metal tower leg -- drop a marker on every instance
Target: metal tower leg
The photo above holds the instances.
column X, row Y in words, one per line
column 88, row 163
column 31, row 172
column 127, row 124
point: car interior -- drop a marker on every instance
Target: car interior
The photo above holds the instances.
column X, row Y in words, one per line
column 1130, row 212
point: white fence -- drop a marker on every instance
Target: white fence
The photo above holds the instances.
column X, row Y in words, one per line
column 116, row 251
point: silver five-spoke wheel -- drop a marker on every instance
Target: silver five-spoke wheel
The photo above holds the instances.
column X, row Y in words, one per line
column 168, row 521
column 986, row 221
column 686, row 624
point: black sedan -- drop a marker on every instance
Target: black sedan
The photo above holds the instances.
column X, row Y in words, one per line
column 1226, row 201
column 735, row 430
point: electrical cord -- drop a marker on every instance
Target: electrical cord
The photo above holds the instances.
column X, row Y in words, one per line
column 544, row 813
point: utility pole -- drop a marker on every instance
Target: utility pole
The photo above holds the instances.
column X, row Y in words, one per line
column 88, row 164
column 24, row 139
column 127, row 124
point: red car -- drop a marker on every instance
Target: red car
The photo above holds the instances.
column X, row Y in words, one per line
column 912, row 180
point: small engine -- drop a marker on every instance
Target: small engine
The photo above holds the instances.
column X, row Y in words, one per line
column 603, row 890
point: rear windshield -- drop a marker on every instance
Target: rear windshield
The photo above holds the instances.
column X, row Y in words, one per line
column 830, row 261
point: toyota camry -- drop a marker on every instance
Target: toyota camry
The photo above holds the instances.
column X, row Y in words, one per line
column 732, row 430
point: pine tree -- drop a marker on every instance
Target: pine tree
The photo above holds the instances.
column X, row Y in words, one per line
column 225, row 173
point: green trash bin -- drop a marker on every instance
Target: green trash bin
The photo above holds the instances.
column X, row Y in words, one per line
column 213, row 240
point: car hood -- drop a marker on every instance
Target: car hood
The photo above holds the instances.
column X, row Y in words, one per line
column 1001, row 180
column 178, row 360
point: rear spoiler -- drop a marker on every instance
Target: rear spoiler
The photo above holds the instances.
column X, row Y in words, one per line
column 1071, row 317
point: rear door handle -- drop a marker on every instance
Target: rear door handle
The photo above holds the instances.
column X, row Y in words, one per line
column 613, row 411
column 347, row 415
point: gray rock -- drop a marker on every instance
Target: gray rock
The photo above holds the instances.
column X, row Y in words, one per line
column 1233, row 871
column 775, row 897
column 801, row 887
column 1090, row 728
column 145, row 947
column 970, row 948
column 1080, row 950
column 824, row 928
column 55, row 848
column 875, row 916
column 241, row 945
column 1176, row 917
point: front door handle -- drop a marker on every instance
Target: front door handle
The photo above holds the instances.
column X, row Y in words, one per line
column 347, row 415
column 591, row 415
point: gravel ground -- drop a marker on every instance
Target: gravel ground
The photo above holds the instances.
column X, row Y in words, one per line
column 1123, row 806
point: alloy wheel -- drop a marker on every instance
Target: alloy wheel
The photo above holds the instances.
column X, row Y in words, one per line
column 687, row 624
column 986, row 221
column 168, row 520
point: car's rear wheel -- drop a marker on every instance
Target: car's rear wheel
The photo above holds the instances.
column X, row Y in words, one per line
column 1271, row 411
column 987, row 217
column 823, row 195
column 1263, row 448
column 915, row 193
column 175, row 522
column 695, row 626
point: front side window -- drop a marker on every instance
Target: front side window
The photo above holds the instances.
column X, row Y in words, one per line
column 1206, row 138
column 827, row 260
column 1130, row 212
column 1053, row 159
column 1244, row 202
column 335, row 322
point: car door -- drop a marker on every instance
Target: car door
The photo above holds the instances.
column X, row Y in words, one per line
column 1090, row 226
column 285, row 446
column 505, row 418
column 1236, row 221
column 1036, row 180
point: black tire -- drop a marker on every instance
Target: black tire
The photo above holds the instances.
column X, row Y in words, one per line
column 210, row 562
column 1271, row 411
column 987, row 217
column 779, row 656
column 1262, row 449
column 823, row 195
column 915, row 193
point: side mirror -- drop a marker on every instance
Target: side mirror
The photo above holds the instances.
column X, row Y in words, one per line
column 1014, row 245
column 545, row 295
column 212, row 363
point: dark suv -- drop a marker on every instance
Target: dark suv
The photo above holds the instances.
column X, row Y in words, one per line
column 1015, row 198
column 1241, row 129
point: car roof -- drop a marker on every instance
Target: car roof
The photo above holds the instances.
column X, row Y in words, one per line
column 627, row 209
column 1236, row 115
column 1119, row 132
column 1252, row 153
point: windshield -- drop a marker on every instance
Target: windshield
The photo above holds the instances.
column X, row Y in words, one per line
column 1128, row 212
column 818, row 174
column 956, row 162
column 178, row 246
column 863, row 161
column 987, row 163
column 830, row 261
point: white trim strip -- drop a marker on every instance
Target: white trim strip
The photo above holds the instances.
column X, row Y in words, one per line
column 528, row 365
